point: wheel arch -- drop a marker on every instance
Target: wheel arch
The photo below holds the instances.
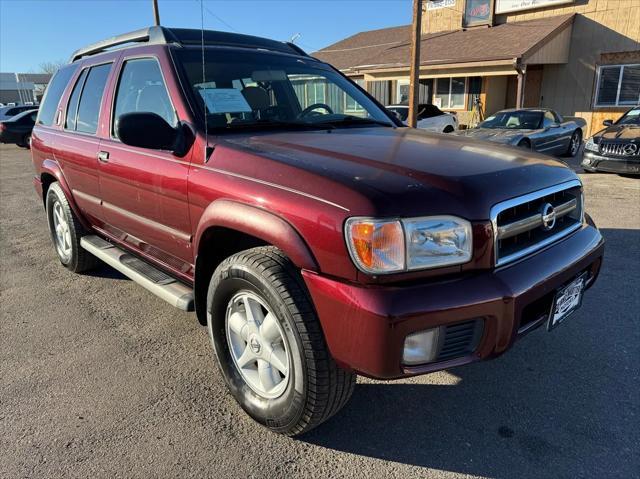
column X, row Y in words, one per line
column 50, row 172
column 234, row 227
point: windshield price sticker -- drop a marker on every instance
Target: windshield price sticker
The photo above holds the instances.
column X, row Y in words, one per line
column 224, row 100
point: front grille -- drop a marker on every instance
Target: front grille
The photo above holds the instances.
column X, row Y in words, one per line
column 460, row 339
column 526, row 224
column 619, row 149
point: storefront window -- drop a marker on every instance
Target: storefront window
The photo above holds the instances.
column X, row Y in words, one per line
column 618, row 85
column 450, row 92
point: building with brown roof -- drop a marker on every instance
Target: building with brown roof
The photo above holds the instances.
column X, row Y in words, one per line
column 580, row 57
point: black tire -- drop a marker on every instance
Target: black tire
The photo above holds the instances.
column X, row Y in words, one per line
column 448, row 129
column 524, row 144
column 26, row 141
column 317, row 387
column 77, row 259
column 576, row 139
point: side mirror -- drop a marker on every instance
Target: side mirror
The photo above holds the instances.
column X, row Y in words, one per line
column 147, row 130
column 608, row 123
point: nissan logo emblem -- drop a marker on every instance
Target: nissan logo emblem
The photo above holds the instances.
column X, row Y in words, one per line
column 254, row 344
column 548, row 215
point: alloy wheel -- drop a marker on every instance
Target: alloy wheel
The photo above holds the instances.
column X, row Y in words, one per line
column 257, row 344
column 62, row 230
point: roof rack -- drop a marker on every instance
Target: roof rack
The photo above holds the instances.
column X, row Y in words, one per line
column 184, row 36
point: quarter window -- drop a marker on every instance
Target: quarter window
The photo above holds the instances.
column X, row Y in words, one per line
column 53, row 94
column 141, row 88
column 618, row 85
column 91, row 98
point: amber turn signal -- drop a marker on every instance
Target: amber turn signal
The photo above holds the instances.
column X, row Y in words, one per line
column 376, row 246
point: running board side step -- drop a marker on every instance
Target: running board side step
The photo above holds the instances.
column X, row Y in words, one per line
column 147, row 276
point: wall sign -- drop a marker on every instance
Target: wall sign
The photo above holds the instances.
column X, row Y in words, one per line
column 506, row 6
column 437, row 4
column 478, row 12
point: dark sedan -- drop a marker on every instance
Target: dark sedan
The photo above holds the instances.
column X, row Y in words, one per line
column 615, row 149
column 17, row 129
column 538, row 129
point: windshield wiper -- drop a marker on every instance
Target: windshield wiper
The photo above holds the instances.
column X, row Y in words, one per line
column 354, row 120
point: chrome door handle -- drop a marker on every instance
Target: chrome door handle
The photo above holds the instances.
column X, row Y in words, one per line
column 103, row 156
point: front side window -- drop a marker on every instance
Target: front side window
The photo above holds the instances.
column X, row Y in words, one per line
column 618, row 85
column 242, row 90
column 90, row 99
column 52, row 95
column 141, row 88
column 549, row 119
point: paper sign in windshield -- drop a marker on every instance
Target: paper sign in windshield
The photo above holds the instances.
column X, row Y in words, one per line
column 224, row 100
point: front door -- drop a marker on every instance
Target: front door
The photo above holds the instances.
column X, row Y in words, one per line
column 144, row 191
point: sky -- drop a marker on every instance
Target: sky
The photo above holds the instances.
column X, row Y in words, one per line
column 37, row 31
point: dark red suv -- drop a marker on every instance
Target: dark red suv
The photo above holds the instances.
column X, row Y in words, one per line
column 315, row 236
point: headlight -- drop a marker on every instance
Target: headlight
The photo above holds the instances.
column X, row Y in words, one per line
column 391, row 246
column 591, row 145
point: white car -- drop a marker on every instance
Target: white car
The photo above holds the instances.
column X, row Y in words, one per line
column 430, row 117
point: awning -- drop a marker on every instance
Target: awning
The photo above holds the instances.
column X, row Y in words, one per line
column 477, row 51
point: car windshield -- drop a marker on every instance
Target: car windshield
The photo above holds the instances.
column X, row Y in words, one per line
column 514, row 120
column 257, row 90
column 401, row 112
column 632, row 117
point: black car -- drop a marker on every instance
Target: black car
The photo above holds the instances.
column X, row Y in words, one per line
column 17, row 129
column 615, row 149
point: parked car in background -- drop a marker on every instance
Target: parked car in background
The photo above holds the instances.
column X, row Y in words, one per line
column 615, row 149
column 537, row 129
column 314, row 244
column 17, row 129
column 11, row 111
column 430, row 117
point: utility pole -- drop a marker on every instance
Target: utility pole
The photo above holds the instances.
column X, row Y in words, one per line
column 414, row 81
column 156, row 13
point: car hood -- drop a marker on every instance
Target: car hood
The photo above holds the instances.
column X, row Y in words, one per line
column 620, row 132
column 495, row 135
column 400, row 171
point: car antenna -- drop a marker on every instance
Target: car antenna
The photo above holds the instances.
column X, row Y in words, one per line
column 207, row 149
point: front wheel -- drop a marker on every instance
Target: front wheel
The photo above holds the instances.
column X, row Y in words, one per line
column 574, row 144
column 269, row 343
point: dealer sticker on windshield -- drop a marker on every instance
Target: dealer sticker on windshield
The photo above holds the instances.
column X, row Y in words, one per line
column 225, row 100
column 567, row 300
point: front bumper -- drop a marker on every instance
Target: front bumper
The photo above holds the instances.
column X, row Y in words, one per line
column 594, row 162
column 365, row 326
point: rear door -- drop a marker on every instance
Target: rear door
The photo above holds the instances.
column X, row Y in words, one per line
column 77, row 143
column 144, row 191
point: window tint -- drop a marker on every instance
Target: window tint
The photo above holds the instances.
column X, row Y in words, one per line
column 141, row 88
column 52, row 96
column 12, row 111
column 89, row 107
column 72, row 107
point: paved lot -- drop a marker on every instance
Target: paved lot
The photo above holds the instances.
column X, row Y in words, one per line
column 98, row 378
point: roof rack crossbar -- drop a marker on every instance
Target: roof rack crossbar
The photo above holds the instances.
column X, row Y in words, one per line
column 151, row 35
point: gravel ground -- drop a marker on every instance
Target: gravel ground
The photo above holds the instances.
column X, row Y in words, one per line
column 98, row 378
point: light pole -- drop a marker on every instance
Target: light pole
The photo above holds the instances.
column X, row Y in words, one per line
column 156, row 13
column 414, row 80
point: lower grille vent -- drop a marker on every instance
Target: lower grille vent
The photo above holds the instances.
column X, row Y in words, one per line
column 460, row 339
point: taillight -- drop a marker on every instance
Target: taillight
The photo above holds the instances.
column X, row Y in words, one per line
column 2, row 127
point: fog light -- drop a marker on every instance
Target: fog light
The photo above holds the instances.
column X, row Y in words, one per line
column 421, row 347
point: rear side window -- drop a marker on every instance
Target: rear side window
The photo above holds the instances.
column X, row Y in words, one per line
column 72, row 107
column 91, row 98
column 52, row 96
column 141, row 88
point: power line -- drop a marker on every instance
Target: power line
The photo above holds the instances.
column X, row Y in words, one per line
column 217, row 17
